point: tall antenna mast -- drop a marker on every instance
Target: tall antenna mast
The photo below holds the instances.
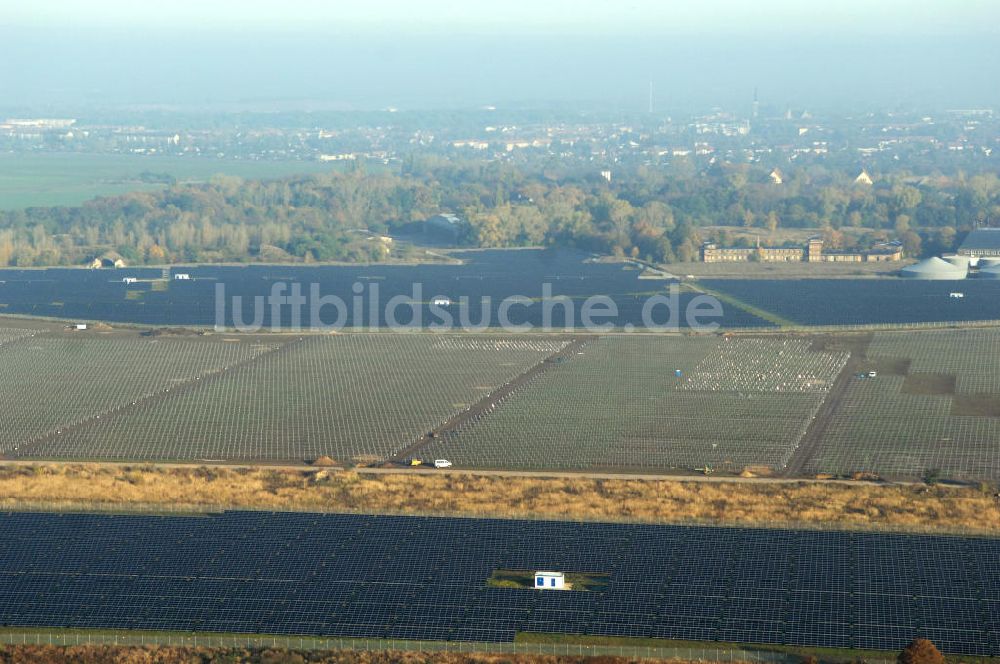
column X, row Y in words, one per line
column 650, row 95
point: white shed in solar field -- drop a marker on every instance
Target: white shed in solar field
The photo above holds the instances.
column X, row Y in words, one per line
column 550, row 581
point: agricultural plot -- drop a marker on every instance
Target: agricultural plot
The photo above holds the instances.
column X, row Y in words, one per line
column 867, row 301
column 29, row 179
column 353, row 397
column 620, row 405
column 933, row 407
column 50, row 383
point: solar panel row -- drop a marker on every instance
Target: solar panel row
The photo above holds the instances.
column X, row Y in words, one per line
column 424, row 578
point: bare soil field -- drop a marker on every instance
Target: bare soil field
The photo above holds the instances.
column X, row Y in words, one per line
column 929, row 383
column 976, row 405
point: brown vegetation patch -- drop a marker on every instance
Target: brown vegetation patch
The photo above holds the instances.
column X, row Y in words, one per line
column 759, row 471
column 976, row 405
column 841, row 343
column 929, row 383
column 758, row 502
column 173, row 332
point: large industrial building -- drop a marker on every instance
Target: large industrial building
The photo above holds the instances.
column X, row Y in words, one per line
column 981, row 242
column 812, row 252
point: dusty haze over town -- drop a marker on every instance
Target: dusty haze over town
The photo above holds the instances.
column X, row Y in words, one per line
column 452, row 54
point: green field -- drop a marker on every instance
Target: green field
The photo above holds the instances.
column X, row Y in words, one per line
column 44, row 179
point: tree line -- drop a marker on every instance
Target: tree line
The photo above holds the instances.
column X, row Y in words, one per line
column 652, row 213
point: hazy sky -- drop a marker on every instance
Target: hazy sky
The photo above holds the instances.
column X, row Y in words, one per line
column 65, row 55
column 590, row 16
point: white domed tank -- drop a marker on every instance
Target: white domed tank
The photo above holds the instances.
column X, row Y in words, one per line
column 958, row 260
column 992, row 272
column 934, row 268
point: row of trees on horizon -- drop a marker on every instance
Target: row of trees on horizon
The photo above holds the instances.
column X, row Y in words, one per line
column 648, row 213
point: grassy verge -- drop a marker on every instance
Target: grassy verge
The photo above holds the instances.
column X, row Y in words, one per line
column 915, row 508
column 790, row 270
column 824, row 654
column 805, row 652
column 95, row 645
column 161, row 654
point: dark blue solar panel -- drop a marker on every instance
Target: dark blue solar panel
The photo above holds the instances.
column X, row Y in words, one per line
column 425, row 578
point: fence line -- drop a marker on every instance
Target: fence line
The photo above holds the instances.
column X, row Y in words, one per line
column 865, row 327
column 706, row 654
column 492, row 331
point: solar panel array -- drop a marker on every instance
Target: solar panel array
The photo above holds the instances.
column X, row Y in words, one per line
column 880, row 426
column 359, row 397
column 972, row 355
column 485, row 278
column 50, row 384
column 867, row 301
column 9, row 334
column 619, row 404
column 424, row 578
